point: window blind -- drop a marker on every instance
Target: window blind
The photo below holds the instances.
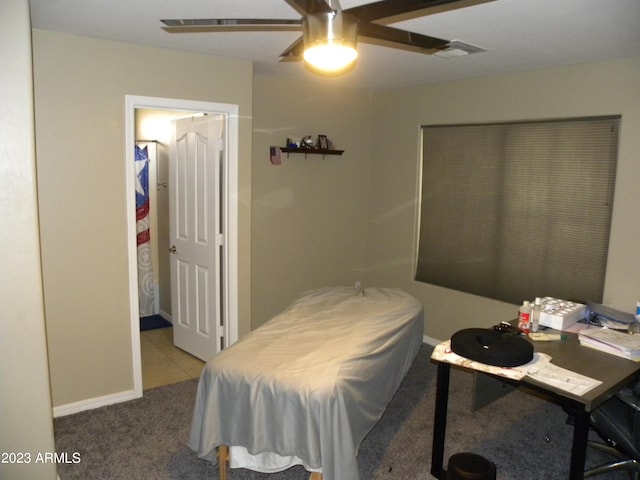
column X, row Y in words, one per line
column 516, row 210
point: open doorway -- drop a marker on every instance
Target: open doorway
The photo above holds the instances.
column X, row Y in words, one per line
column 151, row 125
column 162, row 362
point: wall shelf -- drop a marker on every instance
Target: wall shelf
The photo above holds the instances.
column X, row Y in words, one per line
column 312, row 151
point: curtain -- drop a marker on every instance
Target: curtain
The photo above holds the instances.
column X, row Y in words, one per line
column 146, row 279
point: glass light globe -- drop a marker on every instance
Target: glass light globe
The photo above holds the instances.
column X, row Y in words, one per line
column 330, row 57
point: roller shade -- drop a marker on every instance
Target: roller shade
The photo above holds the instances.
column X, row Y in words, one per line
column 516, row 210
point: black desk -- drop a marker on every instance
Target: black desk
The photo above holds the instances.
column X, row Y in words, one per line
column 614, row 372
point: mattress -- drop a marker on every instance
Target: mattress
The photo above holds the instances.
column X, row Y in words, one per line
column 310, row 383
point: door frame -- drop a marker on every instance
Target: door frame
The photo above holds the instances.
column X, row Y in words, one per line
column 133, row 102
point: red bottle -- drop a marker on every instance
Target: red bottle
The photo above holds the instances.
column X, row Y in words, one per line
column 524, row 317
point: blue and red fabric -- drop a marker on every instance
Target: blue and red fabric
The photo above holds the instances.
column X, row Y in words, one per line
column 142, row 194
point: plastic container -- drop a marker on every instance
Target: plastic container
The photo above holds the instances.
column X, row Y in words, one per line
column 634, row 327
column 524, row 316
column 561, row 314
column 535, row 314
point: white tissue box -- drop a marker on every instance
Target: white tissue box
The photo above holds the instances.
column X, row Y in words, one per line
column 560, row 314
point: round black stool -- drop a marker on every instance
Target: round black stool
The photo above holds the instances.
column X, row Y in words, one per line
column 469, row 466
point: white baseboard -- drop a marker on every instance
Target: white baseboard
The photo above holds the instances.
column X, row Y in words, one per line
column 91, row 403
column 166, row 316
column 430, row 341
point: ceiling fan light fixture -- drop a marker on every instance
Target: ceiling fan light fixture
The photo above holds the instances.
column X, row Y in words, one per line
column 330, row 41
column 330, row 57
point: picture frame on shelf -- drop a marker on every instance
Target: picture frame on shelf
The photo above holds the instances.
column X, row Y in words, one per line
column 323, row 142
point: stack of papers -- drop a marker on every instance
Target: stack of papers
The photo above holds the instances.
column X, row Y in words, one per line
column 611, row 341
column 542, row 370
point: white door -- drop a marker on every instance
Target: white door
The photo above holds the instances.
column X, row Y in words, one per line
column 196, row 206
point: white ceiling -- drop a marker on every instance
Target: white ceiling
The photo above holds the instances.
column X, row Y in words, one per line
column 518, row 34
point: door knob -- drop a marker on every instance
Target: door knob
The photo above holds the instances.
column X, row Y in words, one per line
column 173, row 249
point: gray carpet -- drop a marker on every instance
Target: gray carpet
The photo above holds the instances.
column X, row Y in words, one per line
column 526, row 436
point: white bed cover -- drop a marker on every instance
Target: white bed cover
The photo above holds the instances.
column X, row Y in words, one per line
column 310, row 383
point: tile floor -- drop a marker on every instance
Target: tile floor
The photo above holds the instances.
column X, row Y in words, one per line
column 162, row 362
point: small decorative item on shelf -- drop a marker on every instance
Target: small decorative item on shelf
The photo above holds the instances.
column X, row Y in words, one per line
column 291, row 143
column 323, row 142
column 307, row 142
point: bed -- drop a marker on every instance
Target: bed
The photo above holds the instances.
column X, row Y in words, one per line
column 307, row 386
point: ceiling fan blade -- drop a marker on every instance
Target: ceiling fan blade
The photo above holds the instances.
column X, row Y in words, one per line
column 305, row 7
column 294, row 52
column 230, row 24
column 397, row 10
column 396, row 38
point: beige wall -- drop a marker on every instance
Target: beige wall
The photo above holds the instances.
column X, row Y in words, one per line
column 25, row 400
column 80, row 88
column 582, row 90
column 309, row 214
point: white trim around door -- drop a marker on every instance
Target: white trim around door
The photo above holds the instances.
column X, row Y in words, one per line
column 230, row 260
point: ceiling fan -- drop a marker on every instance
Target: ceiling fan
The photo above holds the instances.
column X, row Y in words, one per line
column 329, row 34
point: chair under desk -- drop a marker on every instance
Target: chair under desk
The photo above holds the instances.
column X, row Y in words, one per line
column 614, row 373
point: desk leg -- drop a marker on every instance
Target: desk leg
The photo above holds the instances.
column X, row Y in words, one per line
column 440, row 421
column 579, row 448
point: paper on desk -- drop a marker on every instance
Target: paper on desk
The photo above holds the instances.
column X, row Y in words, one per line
column 539, row 368
column 542, row 370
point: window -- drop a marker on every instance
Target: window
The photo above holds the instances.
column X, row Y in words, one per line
column 516, row 210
